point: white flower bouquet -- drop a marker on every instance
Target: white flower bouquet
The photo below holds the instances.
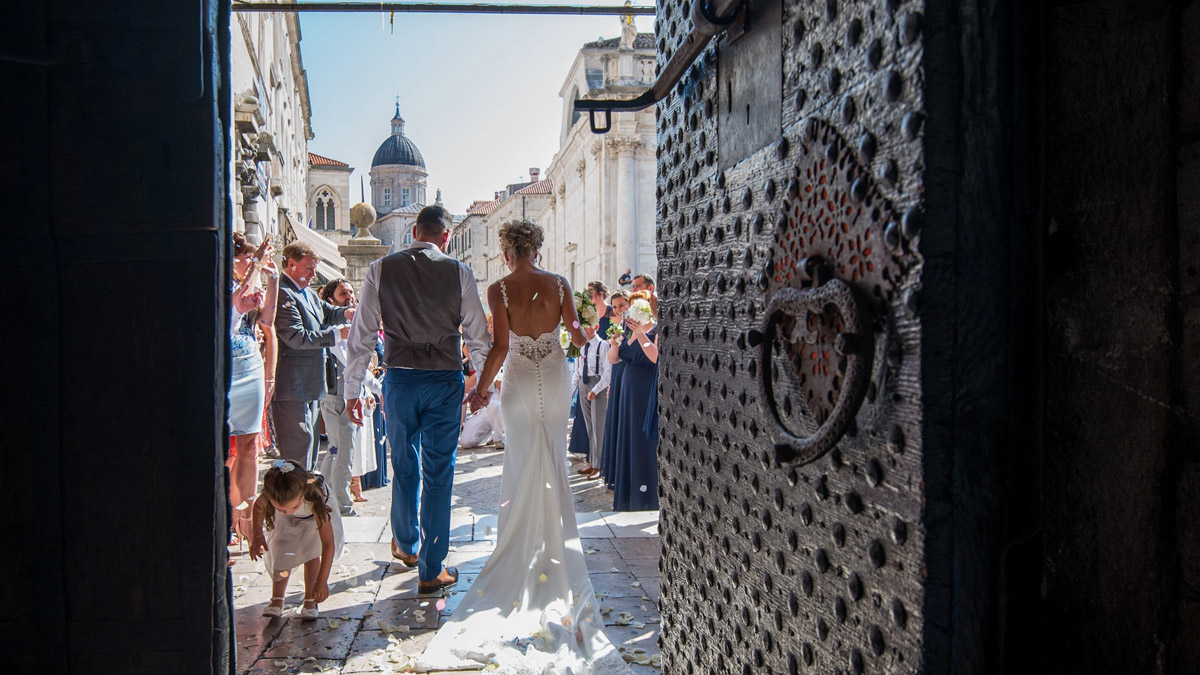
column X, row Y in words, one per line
column 588, row 317
column 640, row 311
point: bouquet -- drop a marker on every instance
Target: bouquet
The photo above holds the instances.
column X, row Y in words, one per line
column 586, row 309
column 613, row 329
column 640, row 312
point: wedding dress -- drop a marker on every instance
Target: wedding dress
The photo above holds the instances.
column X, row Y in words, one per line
column 532, row 609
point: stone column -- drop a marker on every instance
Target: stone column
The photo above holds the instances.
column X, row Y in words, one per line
column 627, row 203
column 362, row 249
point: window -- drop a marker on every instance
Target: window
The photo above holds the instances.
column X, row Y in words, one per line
column 404, row 201
column 326, row 214
column 387, row 196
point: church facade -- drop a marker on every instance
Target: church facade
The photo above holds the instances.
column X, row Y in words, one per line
column 398, row 186
column 600, row 218
column 329, row 198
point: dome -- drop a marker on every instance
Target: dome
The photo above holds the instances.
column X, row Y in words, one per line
column 398, row 148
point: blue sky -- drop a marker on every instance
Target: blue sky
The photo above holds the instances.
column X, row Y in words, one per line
column 479, row 93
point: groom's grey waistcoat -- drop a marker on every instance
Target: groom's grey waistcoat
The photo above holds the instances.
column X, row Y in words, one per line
column 420, row 300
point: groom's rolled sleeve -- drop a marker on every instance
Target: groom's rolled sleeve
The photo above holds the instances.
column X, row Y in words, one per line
column 475, row 328
column 364, row 331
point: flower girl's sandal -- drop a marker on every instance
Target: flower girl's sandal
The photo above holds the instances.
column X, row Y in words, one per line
column 272, row 610
column 309, row 613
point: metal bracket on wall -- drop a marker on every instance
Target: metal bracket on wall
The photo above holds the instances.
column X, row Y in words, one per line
column 709, row 19
column 856, row 342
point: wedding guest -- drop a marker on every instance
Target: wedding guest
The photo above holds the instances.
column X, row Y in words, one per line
column 644, row 283
column 300, row 529
column 635, row 467
column 346, row 439
column 252, row 376
column 620, row 305
column 599, row 293
column 379, row 477
column 578, row 444
column 306, row 325
column 591, row 380
column 626, row 279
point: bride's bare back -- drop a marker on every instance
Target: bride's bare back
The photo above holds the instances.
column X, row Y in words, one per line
column 535, row 301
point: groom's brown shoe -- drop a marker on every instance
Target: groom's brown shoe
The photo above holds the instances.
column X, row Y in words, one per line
column 408, row 560
column 448, row 577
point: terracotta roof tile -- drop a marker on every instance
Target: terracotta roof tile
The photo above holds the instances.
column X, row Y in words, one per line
column 542, row 187
column 317, row 160
column 483, row 208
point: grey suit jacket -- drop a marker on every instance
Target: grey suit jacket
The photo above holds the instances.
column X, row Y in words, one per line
column 305, row 326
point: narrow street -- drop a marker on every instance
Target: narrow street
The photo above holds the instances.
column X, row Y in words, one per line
column 374, row 615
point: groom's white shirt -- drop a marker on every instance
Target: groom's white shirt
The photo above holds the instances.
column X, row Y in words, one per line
column 363, row 332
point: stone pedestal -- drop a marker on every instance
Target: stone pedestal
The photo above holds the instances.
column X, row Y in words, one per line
column 363, row 249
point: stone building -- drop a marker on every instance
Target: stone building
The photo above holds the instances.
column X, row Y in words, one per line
column 272, row 124
column 398, row 184
column 329, row 198
column 600, row 218
column 517, row 201
column 468, row 239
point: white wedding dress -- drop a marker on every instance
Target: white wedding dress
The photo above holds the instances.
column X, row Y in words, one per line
column 531, row 610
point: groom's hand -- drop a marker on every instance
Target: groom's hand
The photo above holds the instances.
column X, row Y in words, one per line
column 354, row 408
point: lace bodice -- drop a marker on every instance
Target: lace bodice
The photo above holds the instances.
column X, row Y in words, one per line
column 534, row 349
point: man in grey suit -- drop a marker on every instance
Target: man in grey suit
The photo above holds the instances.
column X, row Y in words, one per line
column 306, row 325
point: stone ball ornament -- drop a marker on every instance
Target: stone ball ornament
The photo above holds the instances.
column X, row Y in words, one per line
column 362, row 216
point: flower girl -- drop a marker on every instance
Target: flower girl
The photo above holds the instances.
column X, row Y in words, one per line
column 301, row 529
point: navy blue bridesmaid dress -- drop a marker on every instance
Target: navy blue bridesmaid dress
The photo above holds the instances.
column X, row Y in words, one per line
column 635, row 462
column 611, row 417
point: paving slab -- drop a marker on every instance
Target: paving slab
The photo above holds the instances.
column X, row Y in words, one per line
column 373, row 650
column 363, row 529
column 323, row 638
column 616, row 585
column 632, row 523
column 294, row 665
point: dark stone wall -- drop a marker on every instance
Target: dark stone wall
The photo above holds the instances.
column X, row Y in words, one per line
column 1120, row 498
column 114, row 189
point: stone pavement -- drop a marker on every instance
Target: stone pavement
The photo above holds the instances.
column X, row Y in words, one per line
column 374, row 612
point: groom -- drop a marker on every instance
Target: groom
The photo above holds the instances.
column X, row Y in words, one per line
column 423, row 296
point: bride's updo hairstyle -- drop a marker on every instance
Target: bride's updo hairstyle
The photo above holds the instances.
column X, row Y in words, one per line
column 520, row 238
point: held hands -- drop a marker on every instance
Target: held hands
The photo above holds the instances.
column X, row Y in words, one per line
column 345, row 332
column 478, row 400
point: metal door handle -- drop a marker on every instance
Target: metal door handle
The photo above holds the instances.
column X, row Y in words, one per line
column 857, row 344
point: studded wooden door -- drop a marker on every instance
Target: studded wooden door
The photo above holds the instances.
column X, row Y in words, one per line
column 791, row 449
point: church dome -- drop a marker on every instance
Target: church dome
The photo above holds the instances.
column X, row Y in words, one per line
column 398, row 148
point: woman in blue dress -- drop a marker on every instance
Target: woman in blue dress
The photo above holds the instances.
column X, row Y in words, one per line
column 252, row 374
column 635, row 466
column 619, row 304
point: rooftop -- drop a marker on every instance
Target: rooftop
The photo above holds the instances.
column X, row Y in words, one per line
column 317, row 160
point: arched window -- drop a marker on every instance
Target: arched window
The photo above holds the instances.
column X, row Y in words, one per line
column 326, row 210
column 574, row 113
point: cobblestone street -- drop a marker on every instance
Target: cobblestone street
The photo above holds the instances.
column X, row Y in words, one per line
column 374, row 614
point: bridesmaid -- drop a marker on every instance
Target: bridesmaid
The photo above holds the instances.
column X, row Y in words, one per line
column 635, row 468
column 619, row 304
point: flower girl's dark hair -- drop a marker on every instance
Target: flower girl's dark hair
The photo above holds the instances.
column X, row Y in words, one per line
column 285, row 481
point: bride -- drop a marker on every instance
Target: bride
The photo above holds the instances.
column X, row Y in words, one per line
column 532, row 609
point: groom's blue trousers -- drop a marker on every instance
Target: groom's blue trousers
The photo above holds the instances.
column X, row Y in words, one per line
column 424, row 411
